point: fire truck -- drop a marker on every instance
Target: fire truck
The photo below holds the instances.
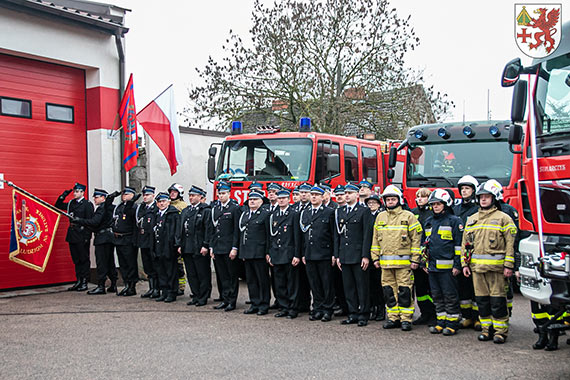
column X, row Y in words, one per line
column 541, row 142
column 292, row 158
column 438, row 155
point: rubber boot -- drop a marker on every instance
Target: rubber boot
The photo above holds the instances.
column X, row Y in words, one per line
column 541, row 342
column 82, row 285
column 552, row 344
column 131, row 289
column 151, row 287
column 155, row 291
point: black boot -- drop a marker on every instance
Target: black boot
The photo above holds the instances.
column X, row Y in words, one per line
column 381, row 313
column 82, row 285
column 151, row 287
column 74, row 287
column 373, row 312
column 161, row 297
column 124, row 290
column 171, row 297
column 552, row 344
column 100, row 289
column 113, row 287
column 155, row 291
column 131, row 289
column 541, row 342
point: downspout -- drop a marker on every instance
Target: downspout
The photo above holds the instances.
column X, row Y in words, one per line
column 121, row 52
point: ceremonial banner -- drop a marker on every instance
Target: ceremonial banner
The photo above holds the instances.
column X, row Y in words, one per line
column 128, row 118
column 33, row 230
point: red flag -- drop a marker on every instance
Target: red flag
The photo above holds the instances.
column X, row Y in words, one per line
column 33, row 229
column 128, row 117
column 158, row 119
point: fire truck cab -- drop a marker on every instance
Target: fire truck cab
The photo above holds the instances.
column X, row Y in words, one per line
column 292, row 158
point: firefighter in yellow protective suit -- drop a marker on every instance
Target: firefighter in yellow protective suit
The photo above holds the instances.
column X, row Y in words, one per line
column 176, row 192
column 396, row 249
column 487, row 251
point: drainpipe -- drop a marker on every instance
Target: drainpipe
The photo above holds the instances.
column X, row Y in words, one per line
column 121, row 52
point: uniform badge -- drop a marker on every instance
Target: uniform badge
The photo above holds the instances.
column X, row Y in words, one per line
column 124, row 217
column 284, row 228
column 461, row 227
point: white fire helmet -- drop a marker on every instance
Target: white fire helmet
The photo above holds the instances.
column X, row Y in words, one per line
column 490, row 187
column 469, row 181
column 178, row 187
column 393, row 191
column 440, row 195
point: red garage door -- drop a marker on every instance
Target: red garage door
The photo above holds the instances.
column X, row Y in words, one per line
column 42, row 149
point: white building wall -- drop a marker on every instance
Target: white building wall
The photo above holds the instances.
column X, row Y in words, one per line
column 194, row 170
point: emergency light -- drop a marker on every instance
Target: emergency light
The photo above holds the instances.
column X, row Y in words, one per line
column 467, row 131
column 305, row 124
column 494, row 131
column 236, row 127
column 442, row 132
column 419, row 134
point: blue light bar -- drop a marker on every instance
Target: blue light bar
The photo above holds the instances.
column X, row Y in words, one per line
column 237, row 127
column 467, row 131
column 305, row 124
column 419, row 134
column 442, row 132
column 494, row 131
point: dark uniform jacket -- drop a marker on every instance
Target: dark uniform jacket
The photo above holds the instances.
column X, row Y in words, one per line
column 225, row 229
column 166, row 240
column 298, row 206
column 78, row 209
column 465, row 209
column 444, row 233
column 195, row 229
column 268, row 207
column 422, row 212
column 319, row 233
column 143, row 216
column 101, row 221
column 285, row 236
column 254, row 234
column 355, row 233
column 124, row 223
column 331, row 204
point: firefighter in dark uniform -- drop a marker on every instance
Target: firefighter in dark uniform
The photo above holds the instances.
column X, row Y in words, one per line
column 377, row 303
column 100, row 223
column 443, row 232
column 285, row 255
column 340, row 305
column 319, row 254
column 467, row 185
column 124, row 229
column 195, row 234
column 365, row 191
column 224, row 246
column 421, row 281
column 78, row 237
column 144, row 239
column 272, row 207
column 253, row 249
column 165, row 247
column 304, row 287
column 327, row 201
column 296, row 196
column 176, row 192
column 353, row 223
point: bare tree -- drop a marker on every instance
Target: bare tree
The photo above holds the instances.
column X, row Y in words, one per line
column 339, row 62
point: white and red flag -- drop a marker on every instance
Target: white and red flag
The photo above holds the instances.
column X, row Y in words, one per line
column 158, row 119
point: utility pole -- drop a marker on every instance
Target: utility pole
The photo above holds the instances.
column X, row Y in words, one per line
column 488, row 109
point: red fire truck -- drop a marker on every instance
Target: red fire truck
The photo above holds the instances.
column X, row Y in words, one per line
column 542, row 92
column 292, row 158
column 438, row 155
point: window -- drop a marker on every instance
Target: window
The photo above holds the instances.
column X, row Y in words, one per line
column 324, row 149
column 369, row 165
column 58, row 112
column 16, row 107
column 351, row 168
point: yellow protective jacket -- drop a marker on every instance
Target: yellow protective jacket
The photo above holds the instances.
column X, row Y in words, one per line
column 396, row 239
column 179, row 204
column 492, row 234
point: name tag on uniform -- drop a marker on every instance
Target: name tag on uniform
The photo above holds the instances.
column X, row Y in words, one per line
column 227, row 213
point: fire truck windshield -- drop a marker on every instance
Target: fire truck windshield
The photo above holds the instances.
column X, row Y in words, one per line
column 442, row 165
column 553, row 96
column 266, row 159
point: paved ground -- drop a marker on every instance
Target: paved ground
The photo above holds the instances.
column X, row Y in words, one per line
column 76, row 336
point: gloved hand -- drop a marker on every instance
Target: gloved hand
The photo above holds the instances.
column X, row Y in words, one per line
column 136, row 197
column 76, row 220
column 115, row 194
column 66, row 193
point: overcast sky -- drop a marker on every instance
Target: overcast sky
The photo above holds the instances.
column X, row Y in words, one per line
column 463, row 46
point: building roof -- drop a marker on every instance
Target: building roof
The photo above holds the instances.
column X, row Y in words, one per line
column 104, row 17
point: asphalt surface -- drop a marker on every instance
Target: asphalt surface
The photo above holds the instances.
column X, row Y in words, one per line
column 76, row 336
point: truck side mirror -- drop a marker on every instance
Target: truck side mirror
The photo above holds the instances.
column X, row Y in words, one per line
column 392, row 157
column 333, row 163
column 515, row 134
column 519, row 102
column 212, row 167
column 511, row 73
column 212, row 151
column 390, row 173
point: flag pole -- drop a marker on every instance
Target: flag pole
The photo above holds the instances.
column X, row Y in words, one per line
column 166, row 89
column 53, row 208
